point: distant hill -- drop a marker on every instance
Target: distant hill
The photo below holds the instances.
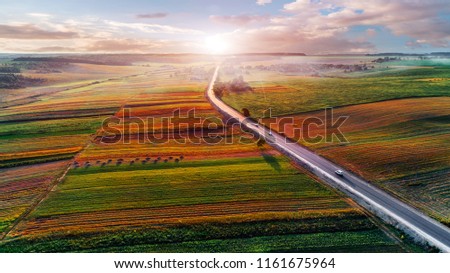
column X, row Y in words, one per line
column 444, row 54
column 272, row 54
column 440, row 54
column 84, row 60
column 129, row 59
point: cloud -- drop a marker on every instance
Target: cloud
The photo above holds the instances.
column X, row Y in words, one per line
column 92, row 34
column 310, row 26
column 124, row 45
column 414, row 44
column 263, row 2
column 416, row 19
column 95, row 45
column 371, row 32
column 55, row 49
column 239, row 20
column 153, row 28
column 40, row 15
column 151, row 15
column 32, row 32
column 317, row 27
column 287, row 39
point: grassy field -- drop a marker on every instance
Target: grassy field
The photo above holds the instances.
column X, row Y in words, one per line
column 30, row 142
column 200, row 196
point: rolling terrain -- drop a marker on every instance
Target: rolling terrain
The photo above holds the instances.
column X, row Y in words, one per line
column 166, row 196
column 398, row 144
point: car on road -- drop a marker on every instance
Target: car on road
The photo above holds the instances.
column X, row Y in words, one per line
column 270, row 134
column 339, row 172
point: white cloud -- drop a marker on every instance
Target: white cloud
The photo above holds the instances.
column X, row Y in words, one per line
column 153, row 28
column 239, row 20
column 154, row 15
column 263, row 2
column 287, row 39
column 40, row 15
column 320, row 26
column 33, row 32
column 412, row 18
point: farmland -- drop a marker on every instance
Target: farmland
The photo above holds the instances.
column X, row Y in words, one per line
column 49, row 128
column 192, row 206
column 22, row 187
column 150, row 192
column 312, row 93
column 397, row 127
column 386, row 139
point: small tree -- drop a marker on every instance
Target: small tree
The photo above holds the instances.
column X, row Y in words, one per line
column 260, row 142
column 219, row 89
column 246, row 112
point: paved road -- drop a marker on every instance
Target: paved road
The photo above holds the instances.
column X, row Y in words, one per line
column 361, row 191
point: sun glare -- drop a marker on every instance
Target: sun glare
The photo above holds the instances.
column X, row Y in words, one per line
column 216, row 45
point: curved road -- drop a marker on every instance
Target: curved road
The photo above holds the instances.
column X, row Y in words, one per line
column 367, row 195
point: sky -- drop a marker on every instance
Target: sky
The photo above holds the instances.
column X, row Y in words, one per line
column 225, row 27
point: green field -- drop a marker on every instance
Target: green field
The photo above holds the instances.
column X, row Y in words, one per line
column 191, row 206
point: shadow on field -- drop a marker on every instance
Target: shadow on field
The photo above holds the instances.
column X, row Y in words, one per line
column 272, row 161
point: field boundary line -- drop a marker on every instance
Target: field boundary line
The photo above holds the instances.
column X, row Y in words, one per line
column 37, row 202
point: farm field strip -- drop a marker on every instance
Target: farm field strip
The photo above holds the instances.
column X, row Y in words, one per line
column 22, row 186
column 357, row 241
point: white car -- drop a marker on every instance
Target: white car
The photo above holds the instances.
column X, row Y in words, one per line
column 270, row 134
column 339, row 172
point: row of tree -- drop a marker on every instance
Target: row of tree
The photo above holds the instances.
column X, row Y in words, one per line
column 13, row 81
column 9, row 69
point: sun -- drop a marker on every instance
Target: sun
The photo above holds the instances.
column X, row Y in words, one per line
column 216, row 45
